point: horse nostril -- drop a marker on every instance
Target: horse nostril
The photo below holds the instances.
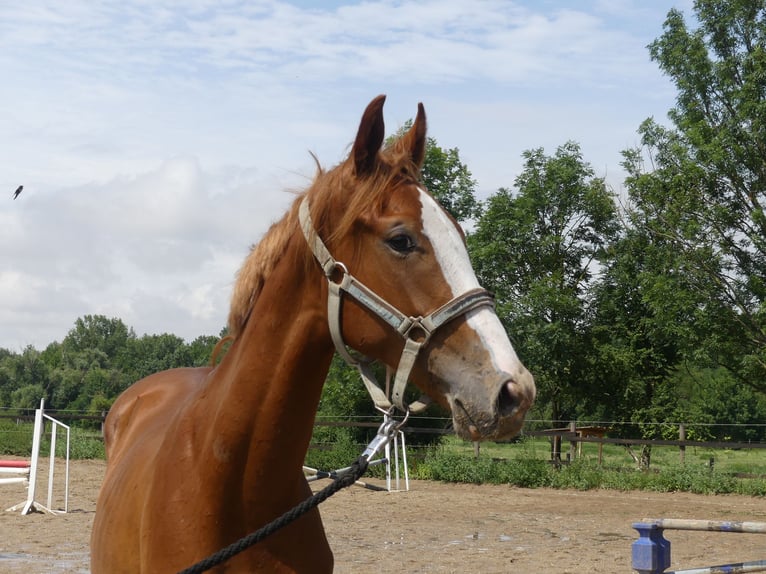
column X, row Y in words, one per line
column 507, row 399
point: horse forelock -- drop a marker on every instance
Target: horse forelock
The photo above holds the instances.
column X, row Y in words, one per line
column 362, row 196
column 338, row 199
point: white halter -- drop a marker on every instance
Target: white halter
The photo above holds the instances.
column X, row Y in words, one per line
column 416, row 331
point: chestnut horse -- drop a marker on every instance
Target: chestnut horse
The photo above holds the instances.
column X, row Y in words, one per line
column 198, row 458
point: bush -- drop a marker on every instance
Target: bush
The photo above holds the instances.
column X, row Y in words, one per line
column 751, row 487
column 696, row 479
column 450, row 467
column 581, row 475
column 83, row 445
column 526, row 473
column 340, row 454
column 15, row 439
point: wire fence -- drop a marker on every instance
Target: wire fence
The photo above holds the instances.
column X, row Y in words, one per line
column 568, row 440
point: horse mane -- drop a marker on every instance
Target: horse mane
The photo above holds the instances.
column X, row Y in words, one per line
column 338, row 186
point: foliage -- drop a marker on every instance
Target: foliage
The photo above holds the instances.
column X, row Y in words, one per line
column 698, row 480
column 538, row 249
column 16, row 440
column 98, row 359
column 701, row 197
column 581, row 475
column 448, row 467
column 344, row 451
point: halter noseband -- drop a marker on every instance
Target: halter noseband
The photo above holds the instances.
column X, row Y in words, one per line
column 416, row 331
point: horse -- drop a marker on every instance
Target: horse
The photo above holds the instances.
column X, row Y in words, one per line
column 199, row 457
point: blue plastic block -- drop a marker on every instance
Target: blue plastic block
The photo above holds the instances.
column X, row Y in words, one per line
column 651, row 552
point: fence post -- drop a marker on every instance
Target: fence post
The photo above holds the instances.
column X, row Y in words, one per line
column 682, row 436
column 573, row 443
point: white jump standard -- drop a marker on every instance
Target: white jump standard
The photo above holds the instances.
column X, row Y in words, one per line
column 28, row 469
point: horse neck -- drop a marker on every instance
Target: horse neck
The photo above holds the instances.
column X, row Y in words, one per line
column 270, row 381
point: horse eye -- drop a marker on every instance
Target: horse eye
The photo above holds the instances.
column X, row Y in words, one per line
column 401, row 243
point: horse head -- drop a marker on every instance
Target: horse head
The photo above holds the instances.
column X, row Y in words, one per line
column 381, row 238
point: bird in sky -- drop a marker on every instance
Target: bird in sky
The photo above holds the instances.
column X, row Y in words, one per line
column 18, row 191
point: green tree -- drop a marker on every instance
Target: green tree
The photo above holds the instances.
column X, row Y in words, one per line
column 21, row 376
column 109, row 335
column 27, row 397
column 153, row 353
column 700, row 188
column 29, row 370
column 201, row 350
column 634, row 350
column 539, row 249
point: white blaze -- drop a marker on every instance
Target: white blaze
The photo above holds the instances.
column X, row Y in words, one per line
column 452, row 256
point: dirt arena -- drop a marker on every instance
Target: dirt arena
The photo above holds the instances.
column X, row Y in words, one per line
column 435, row 527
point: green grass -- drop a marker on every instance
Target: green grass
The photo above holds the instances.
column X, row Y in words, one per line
column 16, row 440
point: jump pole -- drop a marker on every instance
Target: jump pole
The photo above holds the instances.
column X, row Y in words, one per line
column 651, row 552
column 20, row 467
column 314, row 474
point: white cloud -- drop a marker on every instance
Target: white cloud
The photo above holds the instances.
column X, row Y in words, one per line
column 154, row 139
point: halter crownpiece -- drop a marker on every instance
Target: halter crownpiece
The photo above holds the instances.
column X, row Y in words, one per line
column 416, row 331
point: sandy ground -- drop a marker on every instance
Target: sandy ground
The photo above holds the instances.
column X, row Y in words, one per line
column 435, row 527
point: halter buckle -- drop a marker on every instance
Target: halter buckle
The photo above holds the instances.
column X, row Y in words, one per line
column 414, row 329
column 335, row 271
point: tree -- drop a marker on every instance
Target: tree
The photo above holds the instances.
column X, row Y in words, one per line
column 539, row 249
column 98, row 332
column 634, row 350
column 97, row 360
column 701, row 197
column 200, row 350
column 153, row 353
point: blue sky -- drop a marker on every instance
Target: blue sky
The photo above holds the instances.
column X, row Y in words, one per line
column 156, row 138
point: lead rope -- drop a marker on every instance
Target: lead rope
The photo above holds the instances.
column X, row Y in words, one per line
column 346, row 477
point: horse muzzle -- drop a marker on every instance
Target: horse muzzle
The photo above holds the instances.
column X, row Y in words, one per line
column 492, row 411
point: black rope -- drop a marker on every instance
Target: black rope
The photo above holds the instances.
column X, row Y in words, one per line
column 356, row 470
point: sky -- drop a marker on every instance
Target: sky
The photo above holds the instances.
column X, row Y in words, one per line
column 158, row 139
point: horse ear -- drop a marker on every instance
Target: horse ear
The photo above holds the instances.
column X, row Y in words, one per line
column 369, row 138
column 415, row 139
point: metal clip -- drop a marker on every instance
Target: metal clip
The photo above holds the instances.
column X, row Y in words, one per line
column 386, row 432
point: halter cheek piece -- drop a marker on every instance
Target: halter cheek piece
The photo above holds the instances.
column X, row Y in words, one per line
column 416, row 331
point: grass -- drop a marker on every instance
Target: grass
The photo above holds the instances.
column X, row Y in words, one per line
column 16, row 440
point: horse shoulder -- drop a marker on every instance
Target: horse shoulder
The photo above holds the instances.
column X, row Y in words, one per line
column 148, row 403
